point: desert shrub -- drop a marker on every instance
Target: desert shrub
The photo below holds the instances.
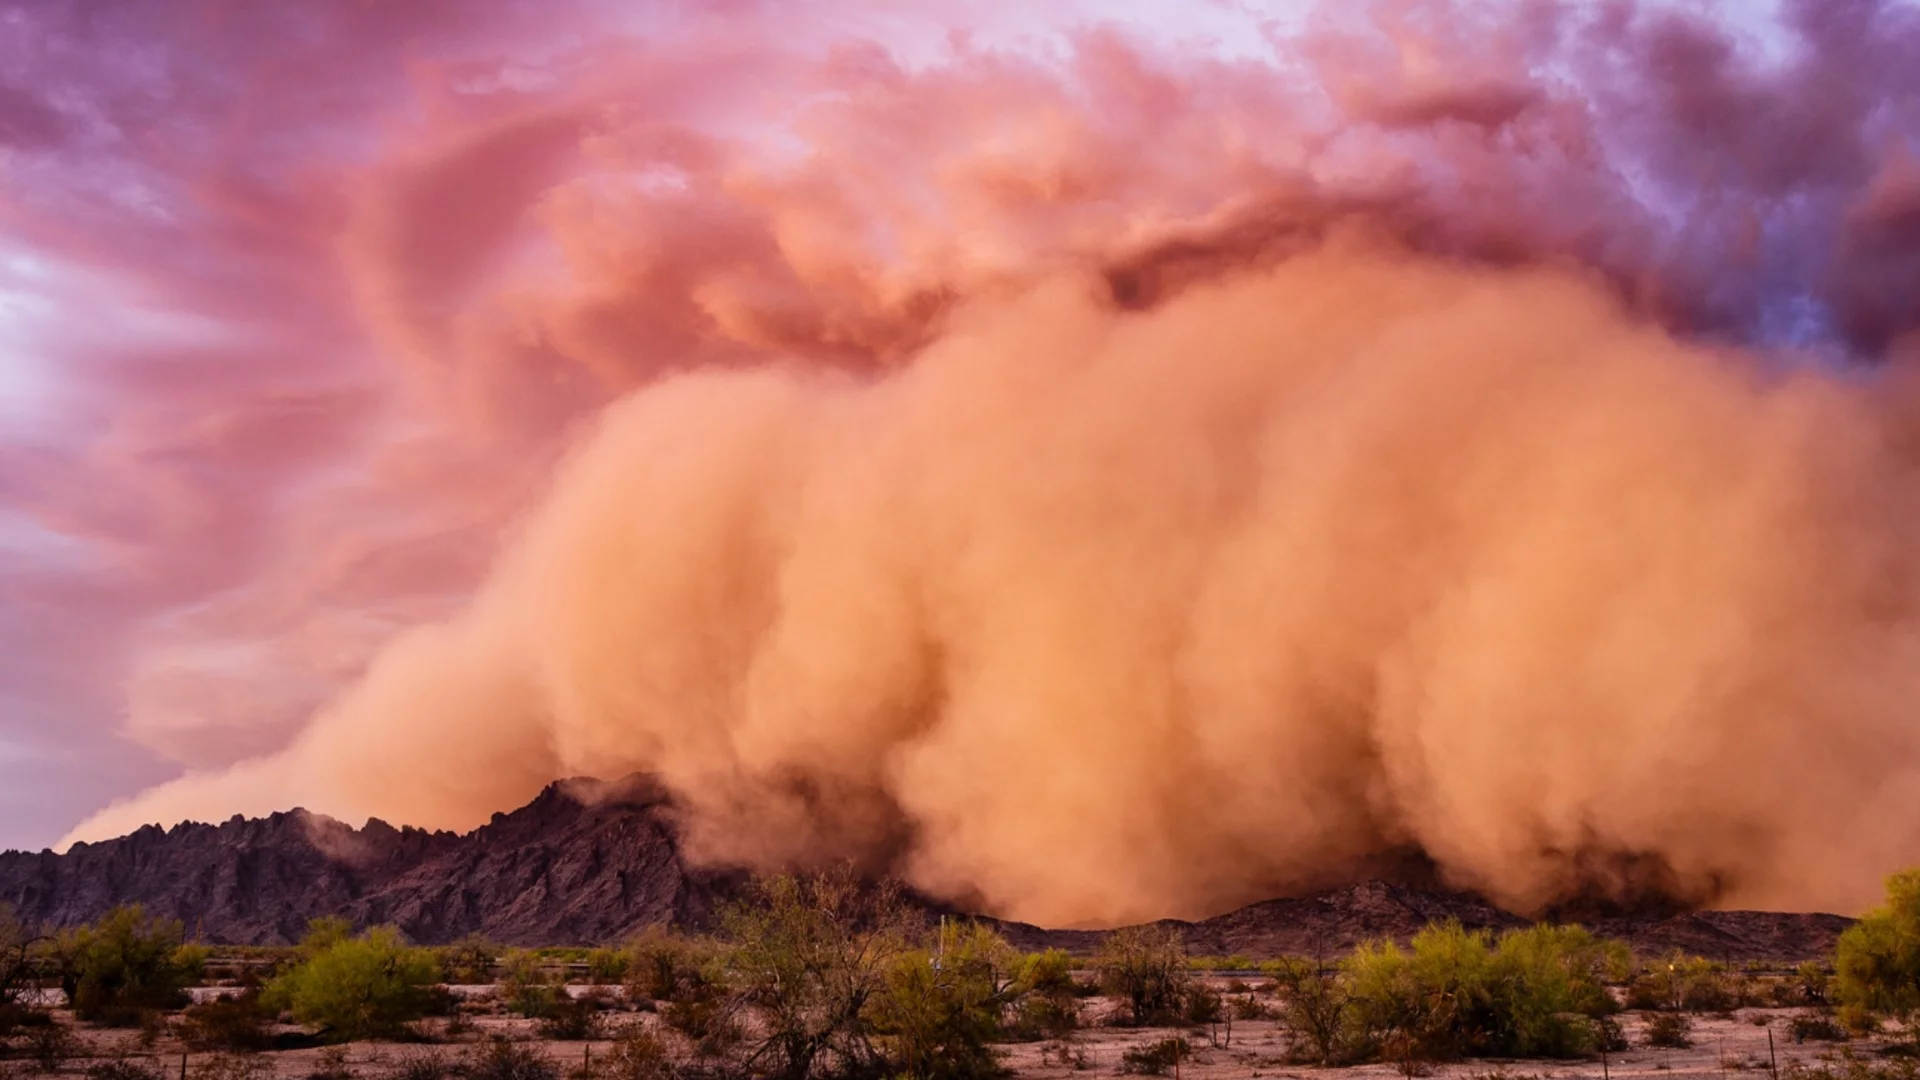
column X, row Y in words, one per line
column 126, row 1069
column 571, row 1019
column 942, row 1008
column 18, row 968
column 330, row 1064
column 421, row 1065
column 469, row 961
column 1146, row 968
column 1404, row 1003
column 358, row 987
column 1815, row 1027
column 1877, row 966
column 1315, row 1009
column 1809, row 985
column 1648, row 992
column 1608, row 1036
column 1679, row 981
column 1533, row 992
column 1064, row 1054
column 232, row 1066
column 1673, row 1031
column 1155, row 1058
column 638, row 1054
column 503, row 1059
column 1201, row 1004
column 606, row 967
column 525, row 984
column 1248, row 1007
column 811, row 955
column 227, row 1023
column 323, row 933
column 1545, row 985
column 1849, row 1067
column 1857, row 1020
column 127, row 962
column 661, row 965
column 50, row 1046
column 1047, row 1004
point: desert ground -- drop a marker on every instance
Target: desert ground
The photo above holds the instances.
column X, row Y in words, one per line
column 1722, row 1045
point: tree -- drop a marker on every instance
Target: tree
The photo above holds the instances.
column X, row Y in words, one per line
column 943, row 1007
column 18, row 968
column 1145, row 967
column 813, row 954
column 358, row 987
column 1315, row 1008
column 1877, row 966
column 126, row 963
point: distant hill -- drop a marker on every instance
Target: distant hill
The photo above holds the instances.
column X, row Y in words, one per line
column 589, row 861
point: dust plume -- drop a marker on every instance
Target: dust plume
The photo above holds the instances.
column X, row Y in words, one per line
column 1157, row 526
column 1102, row 616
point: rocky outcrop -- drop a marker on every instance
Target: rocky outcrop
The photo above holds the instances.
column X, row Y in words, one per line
column 585, row 861
column 589, row 862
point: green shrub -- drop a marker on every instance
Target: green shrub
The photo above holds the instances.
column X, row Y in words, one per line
column 1810, row 983
column 126, row 963
column 1047, row 1004
column 1543, row 981
column 941, row 1008
column 812, row 955
column 1877, row 967
column 1670, row 1030
column 359, row 987
column 1533, row 992
column 1146, row 968
column 526, row 985
column 606, row 967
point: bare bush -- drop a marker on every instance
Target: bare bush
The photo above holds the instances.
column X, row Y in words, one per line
column 502, row 1059
column 232, row 1066
column 1154, row 1059
column 1146, row 968
column 126, row 1069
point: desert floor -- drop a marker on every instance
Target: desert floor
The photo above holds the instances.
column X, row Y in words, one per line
column 1722, row 1046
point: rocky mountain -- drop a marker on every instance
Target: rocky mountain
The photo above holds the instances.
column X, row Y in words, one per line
column 590, row 861
column 585, row 861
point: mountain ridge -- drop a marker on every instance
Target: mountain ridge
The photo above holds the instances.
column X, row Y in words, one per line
column 590, row 861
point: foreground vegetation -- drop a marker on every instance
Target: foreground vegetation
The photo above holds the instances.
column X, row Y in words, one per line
column 819, row 976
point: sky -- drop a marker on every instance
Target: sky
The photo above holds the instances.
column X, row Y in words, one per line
column 301, row 305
